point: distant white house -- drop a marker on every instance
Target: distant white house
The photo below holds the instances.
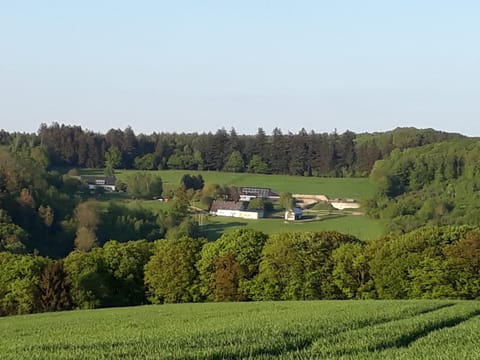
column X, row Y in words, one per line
column 99, row 182
column 234, row 209
column 247, row 197
column 293, row 214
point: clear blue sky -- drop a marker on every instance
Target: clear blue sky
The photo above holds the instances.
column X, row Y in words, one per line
column 189, row 66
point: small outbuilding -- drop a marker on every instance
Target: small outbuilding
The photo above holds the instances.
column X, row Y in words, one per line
column 293, row 214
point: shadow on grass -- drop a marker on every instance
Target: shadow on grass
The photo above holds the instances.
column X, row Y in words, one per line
column 114, row 196
column 330, row 217
column 92, row 172
column 213, row 231
column 309, row 217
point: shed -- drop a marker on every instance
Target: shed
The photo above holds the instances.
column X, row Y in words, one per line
column 293, row 214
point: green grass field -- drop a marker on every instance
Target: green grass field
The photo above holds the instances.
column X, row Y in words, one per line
column 356, row 188
column 359, row 226
column 267, row 330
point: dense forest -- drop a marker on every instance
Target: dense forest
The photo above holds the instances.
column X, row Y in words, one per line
column 429, row 263
column 304, row 153
column 61, row 248
column 49, row 213
column 437, row 184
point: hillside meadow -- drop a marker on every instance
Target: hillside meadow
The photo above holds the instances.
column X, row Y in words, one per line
column 358, row 225
column 265, row 330
column 356, row 188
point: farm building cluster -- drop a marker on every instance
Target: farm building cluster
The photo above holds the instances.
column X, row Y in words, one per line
column 239, row 209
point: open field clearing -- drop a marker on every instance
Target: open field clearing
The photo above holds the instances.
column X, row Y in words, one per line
column 359, row 226
column 315, row 220
column 356, row 188
column 321, row 219
column 286, row 330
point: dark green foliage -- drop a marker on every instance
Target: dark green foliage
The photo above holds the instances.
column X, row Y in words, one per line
column 90, row 279
column 299, row 266
column 351, row 272
column 436, row 184
column 113, row 159
column 126, row 263
column 179, row 209
column 299, row 153
column 215, row 191
column 256, row 204
column 184, row 159
column 257, row 165
column 238, row 254
column 170, row 274
column 235, row 162
column 33, row 204
column 55, row 288
column 145, row 162
column 144, row 185
column 304, row 153
column 109, row 276
column 194, row 182
column 186, row 228
column 415, row 265
column 428, row 263
column 125, row 223
column 12, row 237
column 19, row 283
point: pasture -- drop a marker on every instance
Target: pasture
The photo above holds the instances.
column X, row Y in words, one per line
column 266, row 330
column 359, row 226
column 356, row 188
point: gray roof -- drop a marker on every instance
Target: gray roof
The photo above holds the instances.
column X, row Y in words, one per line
column 93, row 180
column 257, row 191
column 226, row 205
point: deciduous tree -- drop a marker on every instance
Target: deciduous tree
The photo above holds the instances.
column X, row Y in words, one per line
column 171, row 275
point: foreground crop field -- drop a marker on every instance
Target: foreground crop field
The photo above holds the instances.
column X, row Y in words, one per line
column 285, row 330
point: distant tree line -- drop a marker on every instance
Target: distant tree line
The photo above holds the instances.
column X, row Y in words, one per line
column 303, row 153
column 429, row 263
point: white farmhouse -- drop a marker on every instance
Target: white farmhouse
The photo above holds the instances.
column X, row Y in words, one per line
column 234, row 209
column 99, row 182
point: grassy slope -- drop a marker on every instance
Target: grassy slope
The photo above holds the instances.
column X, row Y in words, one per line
column 288, row 330
column 360, row 226
column 356, row 188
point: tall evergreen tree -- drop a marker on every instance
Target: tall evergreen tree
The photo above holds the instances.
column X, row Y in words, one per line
column 55, row 288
